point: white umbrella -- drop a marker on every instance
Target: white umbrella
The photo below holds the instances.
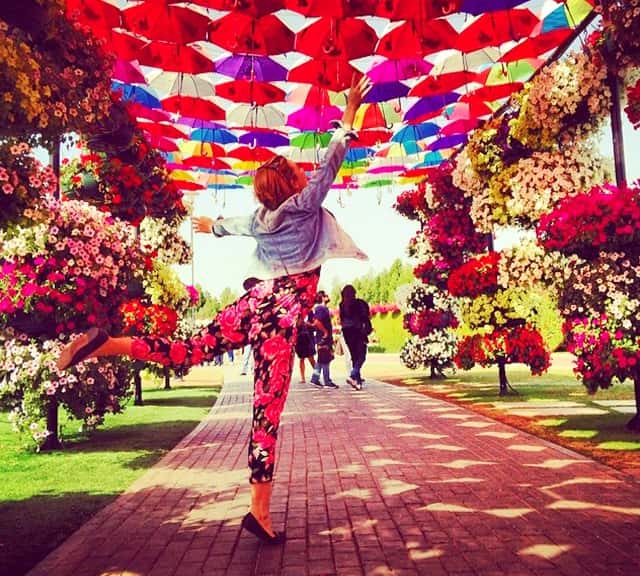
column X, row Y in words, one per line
column 255, row 116
column 182, row 84
column 456, row 61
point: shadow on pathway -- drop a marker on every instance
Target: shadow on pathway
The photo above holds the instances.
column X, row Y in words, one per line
column 383, row 481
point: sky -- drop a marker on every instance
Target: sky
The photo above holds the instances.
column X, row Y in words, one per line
column 367, row 215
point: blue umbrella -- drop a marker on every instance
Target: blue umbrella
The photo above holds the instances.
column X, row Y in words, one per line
column 383, row 91
column 448, row 142
column 477, row 7
column 430, row 104
column 430, row 159
column 359, row 153
column 415, row 132
column 133, row 93
column 198, row 123
column 219, row 135
column 556, row 20
column 224, row 186
column 266, row 138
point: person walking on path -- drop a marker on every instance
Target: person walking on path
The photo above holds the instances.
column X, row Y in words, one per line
column 305, row 346
column 355, row 320
column 247, row 352
column 324, row 341
column 294, row 235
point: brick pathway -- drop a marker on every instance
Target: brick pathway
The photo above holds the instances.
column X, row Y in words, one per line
column 378, row 482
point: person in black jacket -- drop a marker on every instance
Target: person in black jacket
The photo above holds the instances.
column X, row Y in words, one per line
column 356, row 327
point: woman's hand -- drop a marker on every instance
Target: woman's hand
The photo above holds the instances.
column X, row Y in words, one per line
column 359, row 89
column 203, row 224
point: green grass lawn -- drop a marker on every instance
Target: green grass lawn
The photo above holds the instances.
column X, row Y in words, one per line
column 45, row 497
column 601, row 436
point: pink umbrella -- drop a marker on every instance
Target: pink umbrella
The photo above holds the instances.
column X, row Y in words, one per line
column 399, row 69
column 386, row 169
column 314, row 118
column 128, row 72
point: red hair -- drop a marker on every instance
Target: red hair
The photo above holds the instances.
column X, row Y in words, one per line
column 273, row 182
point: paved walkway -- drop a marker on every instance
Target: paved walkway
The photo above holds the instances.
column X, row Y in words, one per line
column 379, row 482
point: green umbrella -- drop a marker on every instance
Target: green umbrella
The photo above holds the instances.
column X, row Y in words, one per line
column 245, row 180
column 306, row 140
column 507, row 73
column 377, row 183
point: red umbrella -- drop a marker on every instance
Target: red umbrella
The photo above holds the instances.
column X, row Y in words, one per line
column 443, row 83
column 164, row 130
column 193, row 107
column 461, row 126
column 138, row 110
column 205, row 162
column 371, row 137
column 308, row 95
column 253, row 7
column 491, row 93
column 162, row 143
column 334, row 74
column 537, row 45
column 158, row 20
column 348, row 39
column 94, row 13
column 239, row 32
column 371, row 116
column 495, row 28
column 250, row 91
column 247, row 153
column 175, row 58
column 336, row 8
column 125, row 45
column 402, row 10
column 417, row 37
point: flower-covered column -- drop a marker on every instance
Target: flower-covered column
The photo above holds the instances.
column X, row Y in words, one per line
column 599, row 233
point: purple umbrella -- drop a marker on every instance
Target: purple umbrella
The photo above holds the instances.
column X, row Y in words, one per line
column 266, row 138
column 477, row 7
column 314, row 118
column 251, row 67
column 384, row 91
column 448, row 142
column 399, row 69
column 198, row 123
column 430, row 104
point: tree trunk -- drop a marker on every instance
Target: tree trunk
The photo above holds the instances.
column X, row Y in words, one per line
column 435, row 372
column 52, row 441
column 502, row 373
column 634, row 424
column 137, row 382
column 167, row 378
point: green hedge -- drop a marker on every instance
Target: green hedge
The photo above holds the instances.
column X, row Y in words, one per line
column 389, row 332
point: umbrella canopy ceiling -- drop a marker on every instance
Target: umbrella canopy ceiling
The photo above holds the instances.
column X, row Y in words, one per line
column 244, row 80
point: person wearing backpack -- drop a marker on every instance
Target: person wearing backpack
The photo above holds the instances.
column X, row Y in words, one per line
column 355, row 320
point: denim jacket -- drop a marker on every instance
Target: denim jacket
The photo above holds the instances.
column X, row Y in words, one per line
column 300, row 234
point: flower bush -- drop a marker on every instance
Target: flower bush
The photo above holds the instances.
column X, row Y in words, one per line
column 571, row 92
column 61, row 75
column 604, row 219
column 131, row 184
column 71, row 271
column 23, row 180
column 22, row 108
column 433, row 272
column 164, row 242
column 412, row 203
column 621, row 35
column 522, row 344
column 435, row 351
column 427, row 321
column 156, row 319
column 475, row 277
column 29, row 378
column 605, row 350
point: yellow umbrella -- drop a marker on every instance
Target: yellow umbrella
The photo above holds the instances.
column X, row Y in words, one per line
column 195, row 148
column 246, row 165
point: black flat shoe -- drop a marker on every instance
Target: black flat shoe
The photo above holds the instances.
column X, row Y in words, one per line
column 95, row 338
column 251, row 524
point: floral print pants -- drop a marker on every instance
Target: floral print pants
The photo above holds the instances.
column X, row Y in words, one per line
column 266, row 318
